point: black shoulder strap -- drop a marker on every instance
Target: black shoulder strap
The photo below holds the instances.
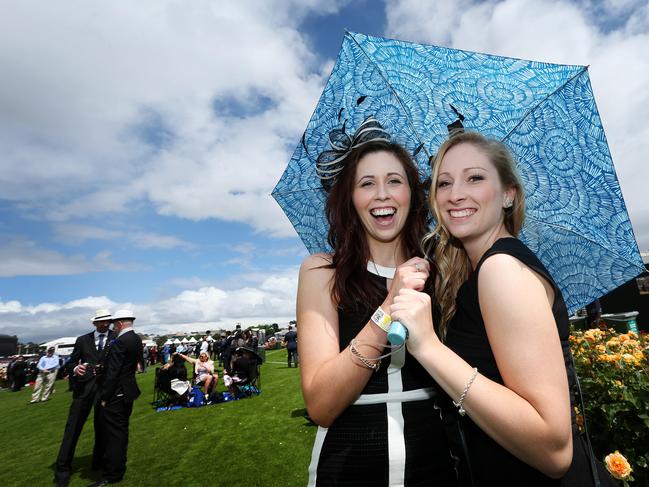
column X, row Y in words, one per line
column 591, row 454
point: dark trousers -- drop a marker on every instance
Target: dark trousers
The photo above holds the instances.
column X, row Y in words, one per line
column 114, row 419
column 292, row 353
column 19, row 382
column 77, row 416
column 227, row 358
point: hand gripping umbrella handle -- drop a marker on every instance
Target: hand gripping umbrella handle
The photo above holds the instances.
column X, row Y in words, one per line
column 397, row 333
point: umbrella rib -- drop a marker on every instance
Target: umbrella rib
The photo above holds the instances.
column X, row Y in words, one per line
column 569, row 230
column 529, row 112
column 391, row 89
column 301, row 190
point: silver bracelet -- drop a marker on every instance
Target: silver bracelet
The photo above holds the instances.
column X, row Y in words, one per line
column 460, row 403
column 363, row 359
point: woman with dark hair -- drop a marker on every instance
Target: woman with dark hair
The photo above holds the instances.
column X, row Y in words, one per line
column 505, row 359
column 174, row 369
column 377, row 418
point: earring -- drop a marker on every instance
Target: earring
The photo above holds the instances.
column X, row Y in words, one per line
column 508, row 203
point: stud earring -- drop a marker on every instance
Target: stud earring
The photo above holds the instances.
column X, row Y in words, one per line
column 508, row 203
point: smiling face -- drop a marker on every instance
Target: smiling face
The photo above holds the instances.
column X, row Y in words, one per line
column 470, row 196
column 381, row 196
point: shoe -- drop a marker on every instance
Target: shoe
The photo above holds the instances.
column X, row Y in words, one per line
column 100, row 483
column 33, row 402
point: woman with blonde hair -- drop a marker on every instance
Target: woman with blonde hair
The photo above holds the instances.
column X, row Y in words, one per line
column 503, row 357
column 203, row 370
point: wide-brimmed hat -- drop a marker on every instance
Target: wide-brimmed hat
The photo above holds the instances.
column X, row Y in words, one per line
column 102, row 314
column 123, row 314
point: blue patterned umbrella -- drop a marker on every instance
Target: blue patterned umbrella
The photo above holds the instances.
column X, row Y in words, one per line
column 576, row 220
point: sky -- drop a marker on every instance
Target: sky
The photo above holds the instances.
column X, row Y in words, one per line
column 140, row 141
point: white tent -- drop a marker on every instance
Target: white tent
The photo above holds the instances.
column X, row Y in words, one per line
column 168, row 342
column 184, row 340
column 192, row 340
column 62, row 346
column 177, row 342
column 149, row 343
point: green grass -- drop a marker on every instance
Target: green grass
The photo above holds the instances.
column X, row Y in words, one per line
column 262, row 441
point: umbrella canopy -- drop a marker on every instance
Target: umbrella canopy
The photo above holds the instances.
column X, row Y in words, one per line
column 192, row 340
column 576, row 220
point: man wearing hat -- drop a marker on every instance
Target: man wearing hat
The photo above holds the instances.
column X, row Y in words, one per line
column 48, row 367
column 89, row 350
column 117, row 392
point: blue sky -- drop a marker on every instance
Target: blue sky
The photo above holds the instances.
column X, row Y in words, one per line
column 140, row 142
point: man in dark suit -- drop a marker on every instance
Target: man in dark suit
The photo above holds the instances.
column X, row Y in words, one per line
column 89, row 349
column 18, row 373
column 290, row 342
column 117, row 392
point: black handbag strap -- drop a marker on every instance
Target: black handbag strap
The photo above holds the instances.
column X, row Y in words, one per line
column 467, row 457
column 591, row 454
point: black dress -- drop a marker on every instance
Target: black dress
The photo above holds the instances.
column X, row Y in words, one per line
column 491, row 464
column 392, row 435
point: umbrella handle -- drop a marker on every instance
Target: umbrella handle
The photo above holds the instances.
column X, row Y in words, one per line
column 397, row 333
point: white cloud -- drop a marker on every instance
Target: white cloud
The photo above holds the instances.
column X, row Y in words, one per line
column 87, row 87
column 76, row 234
column 561, row 32
column 22, row 257
column 270, row 299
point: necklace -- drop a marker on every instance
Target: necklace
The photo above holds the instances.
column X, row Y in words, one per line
column 380, row 270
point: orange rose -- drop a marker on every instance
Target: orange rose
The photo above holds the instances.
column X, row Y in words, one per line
column 617, row 465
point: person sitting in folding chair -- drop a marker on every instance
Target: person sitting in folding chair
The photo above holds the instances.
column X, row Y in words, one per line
column 239, row 372
column 244, row 376
column 173, row 372
column 204, row 372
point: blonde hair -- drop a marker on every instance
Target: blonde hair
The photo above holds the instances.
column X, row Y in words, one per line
column 452, row 261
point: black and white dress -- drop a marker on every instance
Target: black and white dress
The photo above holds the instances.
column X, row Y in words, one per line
column 392, row 434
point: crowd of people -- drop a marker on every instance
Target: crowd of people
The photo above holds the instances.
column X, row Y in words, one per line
column 239, row 368
column 217, row 349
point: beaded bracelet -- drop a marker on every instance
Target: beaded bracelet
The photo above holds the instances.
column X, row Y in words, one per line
column 363, row 359
column 460, row 403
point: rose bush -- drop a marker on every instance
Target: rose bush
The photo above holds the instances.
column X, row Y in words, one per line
column 613, row 370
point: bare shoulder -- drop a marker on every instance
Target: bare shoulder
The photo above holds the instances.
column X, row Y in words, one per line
column 316, row 266
column 504, row 272
column 315, row 261
column 509, row 290
column 497, row 264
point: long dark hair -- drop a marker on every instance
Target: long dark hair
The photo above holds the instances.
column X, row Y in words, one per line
column 352, row 287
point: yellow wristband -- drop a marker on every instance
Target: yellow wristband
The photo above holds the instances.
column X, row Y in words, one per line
column 382, row 319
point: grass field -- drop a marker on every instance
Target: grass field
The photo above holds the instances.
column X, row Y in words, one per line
column 263, row 441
